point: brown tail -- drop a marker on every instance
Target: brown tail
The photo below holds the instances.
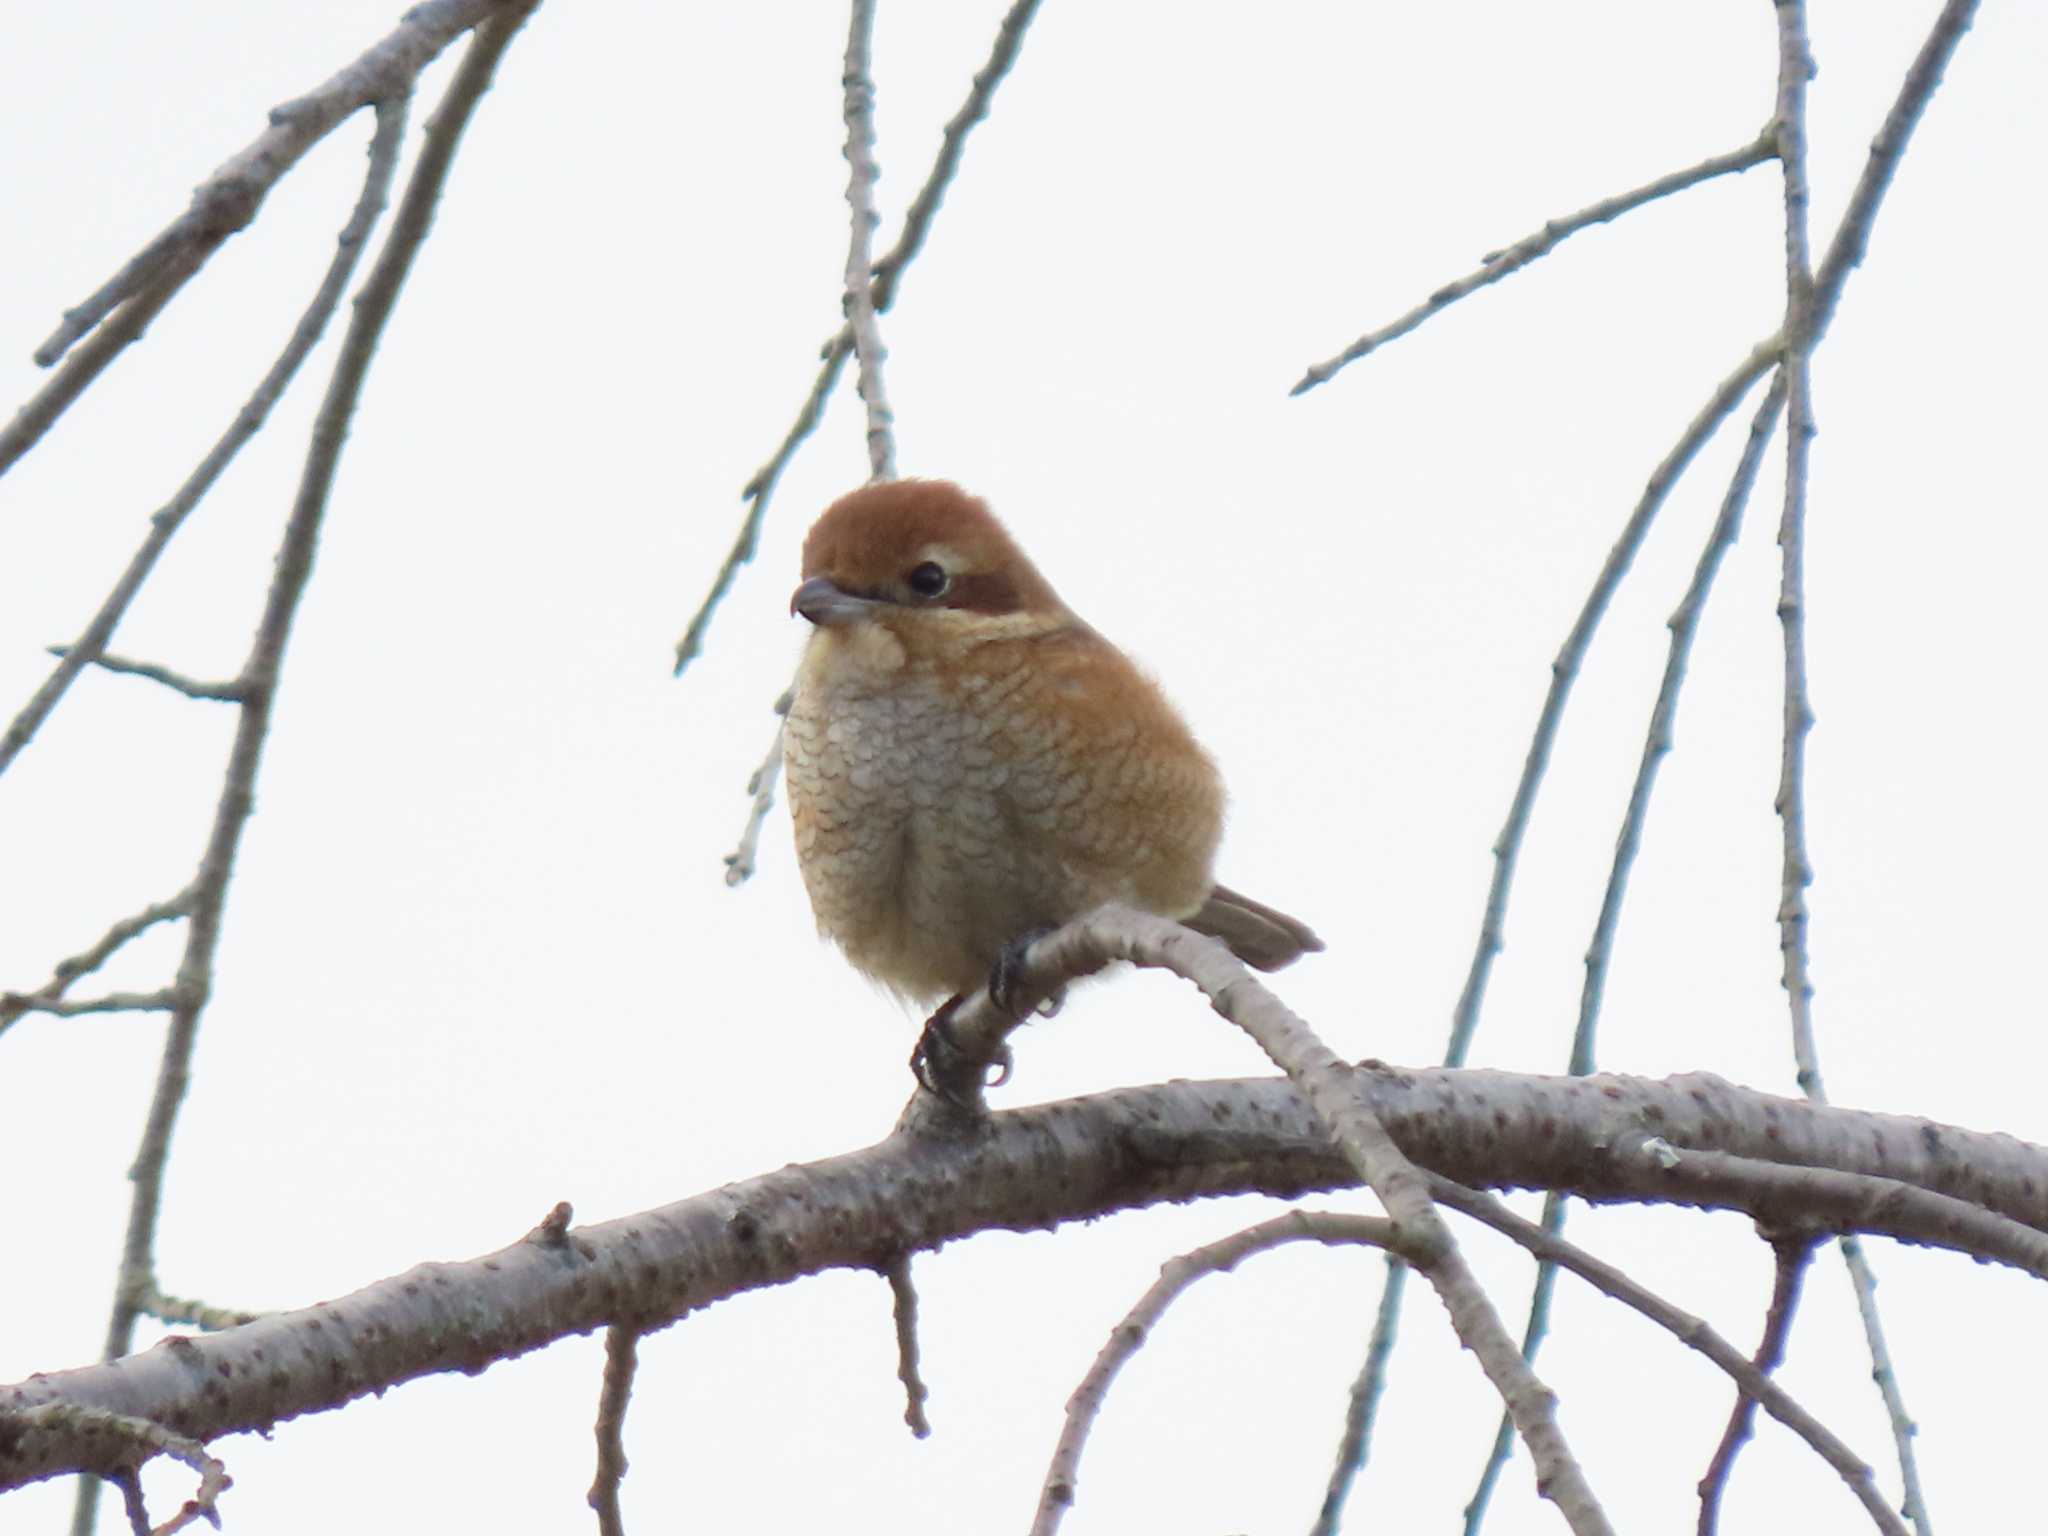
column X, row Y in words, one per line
column 1256, row 934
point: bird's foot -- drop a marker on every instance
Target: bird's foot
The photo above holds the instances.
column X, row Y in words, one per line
column 942, row 1067
column 1008, row 974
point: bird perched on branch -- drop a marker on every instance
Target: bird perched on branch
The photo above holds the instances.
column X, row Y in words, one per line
column 970, row 764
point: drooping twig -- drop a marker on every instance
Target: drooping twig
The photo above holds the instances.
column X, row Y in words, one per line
column 1334, row 1092
column 40, row 411
column 1801, row 332
column 1355, row 1444
column 1129, row 1335
column 888, row 274
column 1564, row 672
column 226, row 202
column 862, row 173
column 621, row 1360
column 903, row 1306
column 258, row 677
column 1792, row 1253
column 90, row 645
column 1535, row 1328
column 1684, row 626
column 1689, row 1330
column 1509, row 259
column 739, row 864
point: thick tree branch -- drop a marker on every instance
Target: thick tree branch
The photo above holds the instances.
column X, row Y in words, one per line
column 1023, row 1170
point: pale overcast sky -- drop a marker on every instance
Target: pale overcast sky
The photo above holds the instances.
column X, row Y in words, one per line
column 479, row 954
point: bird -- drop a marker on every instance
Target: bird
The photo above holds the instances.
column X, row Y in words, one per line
column 971, row 764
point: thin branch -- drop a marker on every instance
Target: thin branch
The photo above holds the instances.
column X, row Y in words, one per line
column 1337, row 1095
column 228, row 200
column 40, row 411
column 759, row 492
column 190, row 1313
column 1564, row 672
column 1812, row 301
column 621, row 1360
column 739, row 864
column 177, row 682
column 1355, row 1445
column 1887, row 148
column 1129, row 1336
column 14, row 1004
column 1535, row 1329
column 1793, row 1252
column 1684, row 624
column 259, row 674
column 132, row 1503
column 1838, row 1200
column 1531, row 247
column 1845, row 251
column 903, row 1306
column 1691, row 1331
column 888, row 275
column 72, row 1008
column 863, row 173
column 1864, row 1283
column 116, row 1446
column 88, row 647
column 1684, row 627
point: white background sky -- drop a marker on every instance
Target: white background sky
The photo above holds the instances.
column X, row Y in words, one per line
column 480, row 957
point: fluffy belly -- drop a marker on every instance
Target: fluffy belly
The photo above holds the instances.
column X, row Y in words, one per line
column 909, row 835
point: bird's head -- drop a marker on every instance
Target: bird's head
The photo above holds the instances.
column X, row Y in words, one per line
column 903, row 551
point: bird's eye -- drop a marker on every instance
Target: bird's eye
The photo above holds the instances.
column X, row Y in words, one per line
column 929, row 579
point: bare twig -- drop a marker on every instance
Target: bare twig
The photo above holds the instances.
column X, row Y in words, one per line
column 1793, row 1252
column 621, row 1360
column 1816, row 298
column 1684, row 626
column 1355, row 1444
column 1129, row 1335
column 177, row 682
column 863, row 172
column 1335, row 1092
column 88, row 647
column 259, row 674
column 888, row 275
column 109, row 1002
column 1689, row 1330
column 1535, row 1328
column 903, row 1305
column 1845, row 251
column 14, row 1004
column 1564, row 672
column 739, row 864
column 1498, row 264
column 228, row 200
column 40, row 411
column 117, row 1446
column 1887, row 149
column 192, row 1313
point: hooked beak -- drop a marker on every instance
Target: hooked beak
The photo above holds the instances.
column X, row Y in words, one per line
column 825, row 604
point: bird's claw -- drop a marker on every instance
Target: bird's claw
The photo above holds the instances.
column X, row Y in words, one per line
column 1007, row 975
column 942, row 1067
